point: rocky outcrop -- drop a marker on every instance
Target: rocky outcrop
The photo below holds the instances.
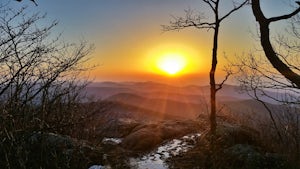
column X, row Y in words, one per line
column 148, row 136
column 143, row 139
column 235, row 147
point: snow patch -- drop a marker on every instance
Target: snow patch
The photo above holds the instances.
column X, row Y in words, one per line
column 113, row 141
column 156, row 159
column 97, row 167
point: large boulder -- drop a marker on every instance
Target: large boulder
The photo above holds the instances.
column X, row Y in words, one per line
column 147, row 136
column 143, row 139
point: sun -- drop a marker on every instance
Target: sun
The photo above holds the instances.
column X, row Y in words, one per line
column 171, row 64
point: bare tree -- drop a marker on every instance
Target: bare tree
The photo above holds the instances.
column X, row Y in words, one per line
column 40, row 81
column 198, row 21
column 264, row 83
column 285, row 69
column 280, row 128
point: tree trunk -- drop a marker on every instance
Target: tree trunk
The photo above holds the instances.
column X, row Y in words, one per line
column 213, row 90
column 267, row 46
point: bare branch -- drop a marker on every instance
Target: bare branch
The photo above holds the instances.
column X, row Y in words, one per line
column 256, row 97
column 190, row 20
column 220, row 85
column 287, row 16
column 233, row 10
column 38, row 72
column 209, row 2
column 31, row 1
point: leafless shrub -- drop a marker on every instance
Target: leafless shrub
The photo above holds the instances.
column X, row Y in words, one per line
column 278, row 95
column 40, row 88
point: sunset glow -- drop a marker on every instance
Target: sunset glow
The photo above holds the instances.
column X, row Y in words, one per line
column 171, row 63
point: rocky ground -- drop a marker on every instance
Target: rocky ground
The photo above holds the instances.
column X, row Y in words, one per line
column 235, row 147
column 150, row 143
column 177, row 144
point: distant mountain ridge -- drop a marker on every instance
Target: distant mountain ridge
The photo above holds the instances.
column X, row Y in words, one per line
column 159, row 101
column 106, row 89
column 190, row 93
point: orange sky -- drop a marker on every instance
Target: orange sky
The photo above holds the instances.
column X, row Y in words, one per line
column 129, row 40
column 137, row 56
